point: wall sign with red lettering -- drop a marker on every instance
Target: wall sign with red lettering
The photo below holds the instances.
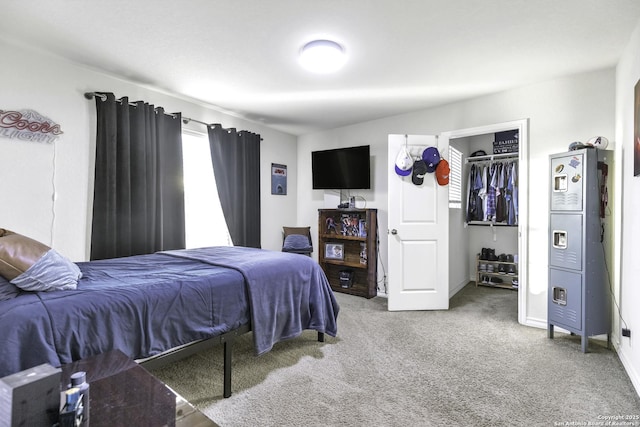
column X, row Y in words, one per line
column 28, row 125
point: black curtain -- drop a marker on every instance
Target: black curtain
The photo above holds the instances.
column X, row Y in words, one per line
column 138, row 205
column 236, row 165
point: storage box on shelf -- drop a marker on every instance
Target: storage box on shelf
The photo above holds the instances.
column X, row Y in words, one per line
column 347, row 249
column 497, row 272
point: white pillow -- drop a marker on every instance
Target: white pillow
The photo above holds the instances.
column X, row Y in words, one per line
column 52, row 272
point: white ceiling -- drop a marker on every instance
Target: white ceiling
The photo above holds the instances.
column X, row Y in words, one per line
column 404, row 55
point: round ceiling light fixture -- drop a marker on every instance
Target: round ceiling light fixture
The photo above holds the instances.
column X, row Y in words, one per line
column 322, row 56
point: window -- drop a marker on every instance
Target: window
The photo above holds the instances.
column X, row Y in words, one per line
column 204, row 221
column 455, row 178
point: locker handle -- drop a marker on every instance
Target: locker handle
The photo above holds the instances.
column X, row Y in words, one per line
column 560, row 183
column 559, row 295
column 559, row 239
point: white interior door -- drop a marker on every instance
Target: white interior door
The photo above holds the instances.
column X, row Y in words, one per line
column 418, row 228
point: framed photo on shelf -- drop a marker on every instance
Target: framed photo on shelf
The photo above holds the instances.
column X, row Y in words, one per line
column 334, row 251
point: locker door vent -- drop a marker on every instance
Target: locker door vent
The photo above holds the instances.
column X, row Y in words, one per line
column 558, row 200
column 568, row 258
column 563, row 315
column 566, row 201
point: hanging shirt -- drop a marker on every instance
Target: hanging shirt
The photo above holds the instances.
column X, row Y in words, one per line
column 500, row 192
column 482, row 193
column 512, row 194
column 514, row 179
column 492, row 183
column 471, row 202
column 474, row 206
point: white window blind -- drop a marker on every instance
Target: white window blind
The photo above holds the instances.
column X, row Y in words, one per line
column 455, row 178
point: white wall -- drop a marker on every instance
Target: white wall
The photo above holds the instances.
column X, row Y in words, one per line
column 560, row 111
column 459, row 272
column 627, row 206
column 32, row 79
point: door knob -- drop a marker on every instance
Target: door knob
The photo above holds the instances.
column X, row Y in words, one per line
column 394, row 231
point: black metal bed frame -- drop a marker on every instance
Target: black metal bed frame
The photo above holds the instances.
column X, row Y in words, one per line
column 227, row 339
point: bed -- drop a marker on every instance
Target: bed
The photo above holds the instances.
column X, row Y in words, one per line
column 153, row 306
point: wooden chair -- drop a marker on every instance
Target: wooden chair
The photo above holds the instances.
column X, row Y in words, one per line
column 297, row 240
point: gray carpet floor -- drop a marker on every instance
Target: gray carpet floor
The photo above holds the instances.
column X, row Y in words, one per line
column 472, row 365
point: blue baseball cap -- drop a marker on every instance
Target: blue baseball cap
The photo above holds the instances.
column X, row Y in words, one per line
column 431, row 158
column 402, row 172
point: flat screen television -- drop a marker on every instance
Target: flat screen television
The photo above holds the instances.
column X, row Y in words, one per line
column 341, row 168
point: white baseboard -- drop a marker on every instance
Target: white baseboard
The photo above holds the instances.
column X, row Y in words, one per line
column 454, row 290
column 628, row 366
column 535, row 323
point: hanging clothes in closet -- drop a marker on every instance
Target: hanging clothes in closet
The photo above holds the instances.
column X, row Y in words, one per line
column 492, row 191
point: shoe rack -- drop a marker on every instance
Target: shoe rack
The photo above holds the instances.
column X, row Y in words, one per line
column 496, row 271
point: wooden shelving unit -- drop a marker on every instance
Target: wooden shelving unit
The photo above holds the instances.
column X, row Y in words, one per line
column 347, row 242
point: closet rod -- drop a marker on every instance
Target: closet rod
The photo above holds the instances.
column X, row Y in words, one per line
column 490, row 157
column 489, row 224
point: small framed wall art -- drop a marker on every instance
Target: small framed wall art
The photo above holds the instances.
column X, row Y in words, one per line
column 278, row 179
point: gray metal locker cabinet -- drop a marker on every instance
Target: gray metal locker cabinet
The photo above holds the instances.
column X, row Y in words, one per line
column 578, row 294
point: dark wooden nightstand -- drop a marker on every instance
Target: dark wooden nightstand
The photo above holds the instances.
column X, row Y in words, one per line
column 123, row 393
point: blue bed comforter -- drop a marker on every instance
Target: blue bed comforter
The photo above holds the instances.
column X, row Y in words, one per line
column 144, row 305
column 288, row 293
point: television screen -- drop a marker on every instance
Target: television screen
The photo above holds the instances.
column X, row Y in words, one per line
column 341, row 168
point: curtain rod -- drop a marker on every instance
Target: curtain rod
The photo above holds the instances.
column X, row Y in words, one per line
column 185, row 120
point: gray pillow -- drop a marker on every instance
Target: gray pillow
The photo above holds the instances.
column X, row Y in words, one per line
column 296, row 242
column 52, row 272
column 7, row 290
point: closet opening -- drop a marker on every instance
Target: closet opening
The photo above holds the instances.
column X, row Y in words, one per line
column 485, row 206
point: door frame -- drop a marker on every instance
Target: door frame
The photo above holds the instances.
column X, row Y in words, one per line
column 523, row 199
